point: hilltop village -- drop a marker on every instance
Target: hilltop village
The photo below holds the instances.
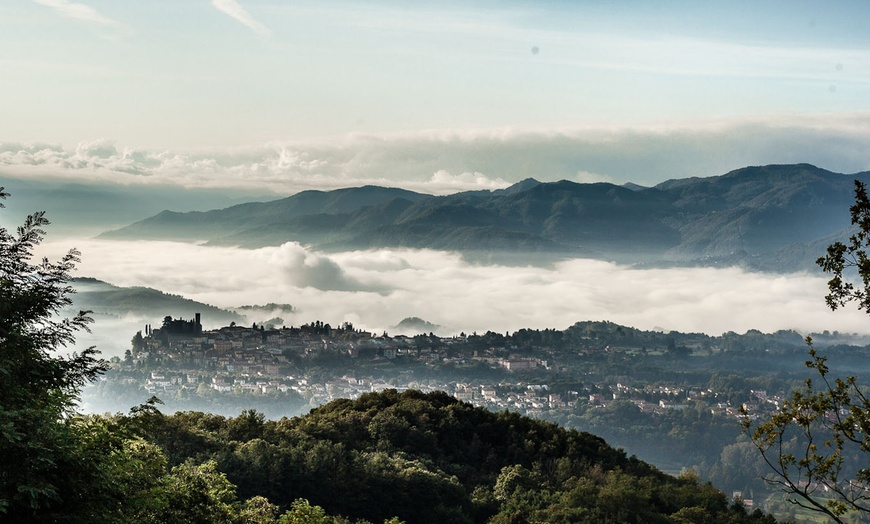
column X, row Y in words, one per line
column 316, row 363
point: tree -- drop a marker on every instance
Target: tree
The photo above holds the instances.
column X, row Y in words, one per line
column 60, row 466
column 845, row 260
column 40, row 386
column 817, row 444
column 302, row 512
column 258, row 510
column 137, row 343
column 194, row 494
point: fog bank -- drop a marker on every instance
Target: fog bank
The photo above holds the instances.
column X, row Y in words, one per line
column 377, row 289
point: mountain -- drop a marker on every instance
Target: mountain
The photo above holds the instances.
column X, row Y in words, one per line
column 313, row 211
column 108, row 300
column 766, row 217
column 759, row 210
column 519, row 187
column 634, row 187
column 89, row 208
column 415, row 326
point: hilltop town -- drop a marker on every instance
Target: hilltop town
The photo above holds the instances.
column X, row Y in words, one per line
column 494, row 371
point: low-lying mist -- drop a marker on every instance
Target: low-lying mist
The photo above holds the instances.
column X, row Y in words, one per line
column 377, row 289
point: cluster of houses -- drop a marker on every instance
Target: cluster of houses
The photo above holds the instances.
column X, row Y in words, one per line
column 259, row 361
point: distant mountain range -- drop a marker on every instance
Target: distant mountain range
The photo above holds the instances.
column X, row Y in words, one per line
column 777, row 217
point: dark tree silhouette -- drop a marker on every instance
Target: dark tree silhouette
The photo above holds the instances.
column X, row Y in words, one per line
column 39, row 386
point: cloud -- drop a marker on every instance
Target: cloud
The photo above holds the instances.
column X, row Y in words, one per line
column 599, row 42
column 82, row 12
column 442, row 162
column 377, row 289
column 303, row 268
column 232, row 9
column 443, row 182
column 585, row 177
column 98, row 149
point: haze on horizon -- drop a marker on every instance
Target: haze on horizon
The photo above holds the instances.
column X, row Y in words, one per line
column 196, row 105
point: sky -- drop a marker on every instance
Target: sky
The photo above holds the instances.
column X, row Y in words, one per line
column 437, row 96
column 231, row 99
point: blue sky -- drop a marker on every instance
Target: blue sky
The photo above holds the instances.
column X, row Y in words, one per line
column 170, row 77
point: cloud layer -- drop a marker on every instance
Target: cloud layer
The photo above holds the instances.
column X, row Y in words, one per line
column 377, row 289
column 447, row 162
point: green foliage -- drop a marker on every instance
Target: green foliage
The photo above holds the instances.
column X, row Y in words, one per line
column 258, row 510
column 194, row 494
column 816, row 444
column 59, row 466
column 511, row 479
column 302, row 512
column 428, row 458
column 842, row 259
column 40, row 387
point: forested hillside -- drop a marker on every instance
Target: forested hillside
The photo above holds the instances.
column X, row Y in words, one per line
column 429, row 458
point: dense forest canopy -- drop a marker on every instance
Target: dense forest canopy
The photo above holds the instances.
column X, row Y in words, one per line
column 429, row 458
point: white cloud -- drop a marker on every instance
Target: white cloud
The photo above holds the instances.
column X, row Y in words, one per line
column 97, row 149
column 443, row 182
column 234, row 10
column 377, row 289
column 303, row 268
column 447, row 162
column 585, row 177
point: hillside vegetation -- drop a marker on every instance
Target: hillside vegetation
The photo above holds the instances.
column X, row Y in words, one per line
column 429, row 458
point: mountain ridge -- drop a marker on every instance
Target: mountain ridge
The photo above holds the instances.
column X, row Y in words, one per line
column 108, row 300
column 745, row 216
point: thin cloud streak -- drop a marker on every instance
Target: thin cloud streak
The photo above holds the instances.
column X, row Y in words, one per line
column 234, row 10
column 81, row 12
column 587, row 47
